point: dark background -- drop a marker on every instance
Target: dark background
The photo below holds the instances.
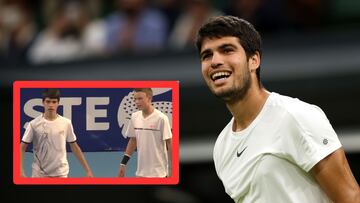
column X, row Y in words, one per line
column 202, row 116
column 314, row 56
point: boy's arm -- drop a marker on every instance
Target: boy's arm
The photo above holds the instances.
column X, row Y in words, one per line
column 23, row 147
column 130, row 148
column 169, row 151
column 80, row 156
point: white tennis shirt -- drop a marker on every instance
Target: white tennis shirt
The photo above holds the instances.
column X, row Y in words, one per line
column 49, row 145
column 151, row 134
column 270, row 160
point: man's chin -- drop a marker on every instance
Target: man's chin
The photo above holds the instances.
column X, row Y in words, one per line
column 222, row 93
column 225, row 96
column 231, row 95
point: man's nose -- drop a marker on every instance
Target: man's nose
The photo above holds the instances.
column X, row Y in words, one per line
column 216, row 60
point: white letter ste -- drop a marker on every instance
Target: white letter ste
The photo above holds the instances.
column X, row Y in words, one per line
column 67, row 103
column 93, row 113
column 29, row 109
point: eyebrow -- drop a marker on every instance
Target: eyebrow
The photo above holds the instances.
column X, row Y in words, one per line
column 222, row 46
column 206, row 51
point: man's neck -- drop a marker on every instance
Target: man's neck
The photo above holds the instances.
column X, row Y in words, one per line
column 247, row 109
column 50, row 116
column 146, row 112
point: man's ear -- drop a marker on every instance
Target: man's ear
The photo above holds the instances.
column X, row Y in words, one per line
column 254, row 61
column 149, row 97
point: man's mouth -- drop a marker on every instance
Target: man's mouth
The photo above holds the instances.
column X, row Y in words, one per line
column 220, row 75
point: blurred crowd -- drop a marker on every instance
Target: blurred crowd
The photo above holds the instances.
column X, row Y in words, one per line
column 56, row 31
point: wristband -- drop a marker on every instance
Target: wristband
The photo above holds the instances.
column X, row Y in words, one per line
column 125, row 159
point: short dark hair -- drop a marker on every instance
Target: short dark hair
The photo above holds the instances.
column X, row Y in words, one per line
column 223, row 26
column 147, row 91
column 51, row 93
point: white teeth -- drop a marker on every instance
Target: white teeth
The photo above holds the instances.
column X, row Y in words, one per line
column 220, row 75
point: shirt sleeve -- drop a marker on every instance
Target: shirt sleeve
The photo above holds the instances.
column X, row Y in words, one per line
column 28, row 135
column 311, row 139
column 166, row 129
column 70, row 135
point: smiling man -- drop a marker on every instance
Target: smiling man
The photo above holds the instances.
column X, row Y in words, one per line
column 275, row 148
column 49, row 133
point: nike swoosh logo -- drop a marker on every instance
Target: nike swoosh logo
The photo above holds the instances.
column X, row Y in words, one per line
column 239, row 154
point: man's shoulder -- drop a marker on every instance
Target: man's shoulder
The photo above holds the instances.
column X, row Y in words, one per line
column 293, row 106
column 36, row 119
column 160, row 114
column 63, row 119
column 298, row 110
column 225, row 132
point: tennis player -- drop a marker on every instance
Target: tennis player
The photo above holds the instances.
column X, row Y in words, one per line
column 150, row 133
column 49, row 133
column 275, row 148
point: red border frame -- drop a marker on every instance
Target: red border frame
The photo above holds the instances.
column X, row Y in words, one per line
column 17, row 85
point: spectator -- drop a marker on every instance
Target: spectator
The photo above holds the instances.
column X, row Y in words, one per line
column 135, row 27
column 172, row 9
column 63, row 39
column 196, row 12
column 266, row 15
column 17, row 30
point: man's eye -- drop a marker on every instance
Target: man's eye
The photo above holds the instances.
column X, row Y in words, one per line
column 227, row 50
column 205, row 56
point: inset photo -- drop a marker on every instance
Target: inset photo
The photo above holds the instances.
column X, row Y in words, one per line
column 96, row 132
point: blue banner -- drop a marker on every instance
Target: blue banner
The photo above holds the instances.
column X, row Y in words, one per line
column 99, row 115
